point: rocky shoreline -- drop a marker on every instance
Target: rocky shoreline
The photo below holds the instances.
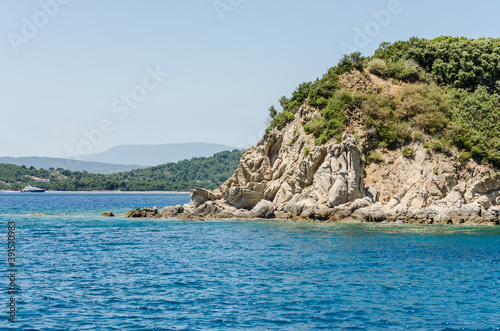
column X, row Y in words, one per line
column 336, row 193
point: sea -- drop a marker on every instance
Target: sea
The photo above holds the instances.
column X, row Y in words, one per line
column 75, row 270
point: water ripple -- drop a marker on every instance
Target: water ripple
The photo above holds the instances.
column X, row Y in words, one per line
column 84, row 272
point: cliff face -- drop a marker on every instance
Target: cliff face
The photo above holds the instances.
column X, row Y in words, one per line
column 287, row 176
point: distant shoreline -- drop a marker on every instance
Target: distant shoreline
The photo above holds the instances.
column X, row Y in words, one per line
column 167, row 192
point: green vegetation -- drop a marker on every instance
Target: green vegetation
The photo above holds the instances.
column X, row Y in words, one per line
column 272, row 112
column 467, row 74
column 417, row 109
column 408, row 151
column 374, row 157
column 458, row 62
column 317, row 94
column 464, row 157
column 280, row 120
column 453, row 98
column 206, row 172
column 378, row 67
column 333, row 119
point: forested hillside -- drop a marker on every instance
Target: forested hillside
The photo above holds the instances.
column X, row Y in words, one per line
column 206, row 172
column 449, row 95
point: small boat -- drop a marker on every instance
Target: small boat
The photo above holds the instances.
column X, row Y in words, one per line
column 32, row 189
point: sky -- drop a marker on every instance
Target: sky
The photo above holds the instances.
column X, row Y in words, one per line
column 80, row 77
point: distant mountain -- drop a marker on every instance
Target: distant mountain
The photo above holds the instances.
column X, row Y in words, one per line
column 152, row 155
column 73, row 165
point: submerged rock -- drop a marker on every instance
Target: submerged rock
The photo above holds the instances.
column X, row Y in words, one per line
column 108, row 214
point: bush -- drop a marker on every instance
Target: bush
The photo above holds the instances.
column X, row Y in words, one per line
column 408, row 151
column 306, row 150
column 321, row 139
column 315, row 126
column 413, row 71
column 350, row 62
column 458, row 62
column 378, row 67
column 374, row 156
column 408, row 70
column 417, row 109
column 464, row 157
column 321, row 103
column 280, row 120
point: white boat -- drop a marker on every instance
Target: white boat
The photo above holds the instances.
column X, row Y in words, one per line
column 32, row 189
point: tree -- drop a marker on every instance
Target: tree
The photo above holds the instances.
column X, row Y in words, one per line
column 272, row 112
column 284, row 101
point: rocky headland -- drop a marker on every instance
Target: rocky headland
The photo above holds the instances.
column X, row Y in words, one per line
column 288, row 175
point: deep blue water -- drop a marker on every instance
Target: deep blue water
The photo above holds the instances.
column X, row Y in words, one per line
column 79, row 271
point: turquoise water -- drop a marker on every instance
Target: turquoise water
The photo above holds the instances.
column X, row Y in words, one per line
column 79, row 271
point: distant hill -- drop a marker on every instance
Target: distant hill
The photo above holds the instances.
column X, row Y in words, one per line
column 73, row 165
column 152, row 155
column 207, row 172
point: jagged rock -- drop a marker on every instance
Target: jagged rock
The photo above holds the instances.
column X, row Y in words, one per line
column 134, row 213
column 264, row 209
column 108, row 214
column 138, row 213
column 337, row 181
column 200, row 195
column 493, row 215
column 467, row 213
column 372, row 193
column 172, row 209
column 374, row 213
column 245, row 197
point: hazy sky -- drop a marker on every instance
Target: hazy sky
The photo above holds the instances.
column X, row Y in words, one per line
column 82, row 76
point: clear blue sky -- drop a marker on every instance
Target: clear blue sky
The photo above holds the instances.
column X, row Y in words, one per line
column 225, row 67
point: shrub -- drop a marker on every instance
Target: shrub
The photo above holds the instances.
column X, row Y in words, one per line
column 464, row 157
column 417, row 109
column 408, row 151
column 408, row 70
column 458, row 62
column 413, row 70
column 396, row 69
column 374, row 156
column 321, row 140
column 306, row 150
column 321, row 103
column 315, row 126
column 349, row 62
column 281, row 119
column 378, row 67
